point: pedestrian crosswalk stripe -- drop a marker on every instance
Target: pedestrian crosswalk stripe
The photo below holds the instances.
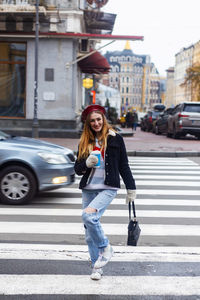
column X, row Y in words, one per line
column 163, row 177
column 110, row 229
column 139, row 192
column 185, row 168
column 80, row 252
column 108, row 212
column 175, row 163
column 118, row 201
column 161, row 159
column 166, row 183
column 150, row 171
column 109, row 285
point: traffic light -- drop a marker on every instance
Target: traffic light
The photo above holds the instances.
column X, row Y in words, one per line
column 93, row 94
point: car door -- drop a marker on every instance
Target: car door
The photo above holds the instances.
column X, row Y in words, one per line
column 164, row 120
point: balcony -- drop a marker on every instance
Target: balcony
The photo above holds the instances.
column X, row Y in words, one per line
column 19, row 15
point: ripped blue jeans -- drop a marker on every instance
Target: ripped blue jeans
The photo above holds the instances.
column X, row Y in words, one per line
column 94, row 235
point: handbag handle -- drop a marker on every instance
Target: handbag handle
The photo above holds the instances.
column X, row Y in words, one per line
column 133, row 208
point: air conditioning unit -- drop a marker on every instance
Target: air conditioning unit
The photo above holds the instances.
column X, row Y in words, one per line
column 84, row 46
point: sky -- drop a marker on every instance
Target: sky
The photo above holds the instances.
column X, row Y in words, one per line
column 167, row 27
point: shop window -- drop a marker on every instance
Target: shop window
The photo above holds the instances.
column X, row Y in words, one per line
column 12, row 79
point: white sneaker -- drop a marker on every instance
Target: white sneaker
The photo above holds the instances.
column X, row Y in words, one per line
column 104, row 257
column 96, row 274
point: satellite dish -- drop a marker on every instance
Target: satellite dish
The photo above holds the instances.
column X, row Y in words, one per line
column 97, row 3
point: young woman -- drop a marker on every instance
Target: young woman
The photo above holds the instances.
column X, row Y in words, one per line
column 99, row 185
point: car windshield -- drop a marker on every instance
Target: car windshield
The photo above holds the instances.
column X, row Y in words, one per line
column 192, row 108
column 3, row 135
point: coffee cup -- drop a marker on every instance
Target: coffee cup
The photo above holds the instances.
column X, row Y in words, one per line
column 97, row 153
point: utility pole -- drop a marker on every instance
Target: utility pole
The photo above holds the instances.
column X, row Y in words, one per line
column 35, row 124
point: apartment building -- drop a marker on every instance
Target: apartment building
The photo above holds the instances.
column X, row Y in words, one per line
column 65, row 29
column 137, row 79
column 183, row 60
column 196, row 62
column 130, row 75
column 169, row 100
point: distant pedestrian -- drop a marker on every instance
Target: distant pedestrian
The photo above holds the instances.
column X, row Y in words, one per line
column 134, row 120
column 99, row 185
column 128, row 119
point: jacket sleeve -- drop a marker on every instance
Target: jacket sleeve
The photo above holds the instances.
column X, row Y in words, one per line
column 80, row 166
column 124, row 168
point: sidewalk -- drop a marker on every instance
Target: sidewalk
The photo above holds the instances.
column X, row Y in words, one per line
column 146, row 144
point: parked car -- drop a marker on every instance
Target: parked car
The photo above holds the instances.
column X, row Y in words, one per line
column 28, row 165
column 184, row 119
column 160, row 125
column 146, row 123
column 140, row 116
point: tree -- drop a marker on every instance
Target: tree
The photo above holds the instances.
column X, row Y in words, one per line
column 193, row 78
column 111, row 112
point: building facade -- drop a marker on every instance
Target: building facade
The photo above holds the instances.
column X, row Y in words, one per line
column 111, row 94
column 169, row 101
column 61, row 23
column 183, row 60
column 135, row 77
column 196, row 62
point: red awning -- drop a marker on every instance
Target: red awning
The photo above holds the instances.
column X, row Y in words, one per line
column 94, row 64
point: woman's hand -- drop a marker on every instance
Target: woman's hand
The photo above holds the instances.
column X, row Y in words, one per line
column 131, row 196
column 91, row 161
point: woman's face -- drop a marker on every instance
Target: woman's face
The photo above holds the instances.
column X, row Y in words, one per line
column 96, row 122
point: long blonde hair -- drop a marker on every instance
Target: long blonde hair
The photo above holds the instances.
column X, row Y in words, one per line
column 87, row 140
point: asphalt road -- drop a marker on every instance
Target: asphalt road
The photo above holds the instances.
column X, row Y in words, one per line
column 43, row 253
column 144, row 141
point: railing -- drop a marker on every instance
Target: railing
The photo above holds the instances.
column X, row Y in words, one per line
column 61, row 4
column 21, row 2
column 17, row 2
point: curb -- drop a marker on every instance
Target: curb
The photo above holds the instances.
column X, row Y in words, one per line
column 164, row 154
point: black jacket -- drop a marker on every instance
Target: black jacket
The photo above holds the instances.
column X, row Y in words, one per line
column 116, row 163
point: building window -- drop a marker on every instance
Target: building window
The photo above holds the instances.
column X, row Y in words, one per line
column 12, row 79
column 127, row 89
column 49, row 74
column 126, row 101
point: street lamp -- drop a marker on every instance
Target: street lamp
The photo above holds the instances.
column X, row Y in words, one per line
column 35, row 124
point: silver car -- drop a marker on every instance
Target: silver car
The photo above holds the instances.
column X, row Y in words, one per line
column 28, row 165
column 184, row 119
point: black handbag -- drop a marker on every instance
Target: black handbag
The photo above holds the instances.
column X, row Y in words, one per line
column 133, row 227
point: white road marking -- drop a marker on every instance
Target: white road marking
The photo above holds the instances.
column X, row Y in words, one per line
column 109, row 285
column 108, row 213
column 117, row 201
column 80, row 252
column 139, row 191
column 110, row 229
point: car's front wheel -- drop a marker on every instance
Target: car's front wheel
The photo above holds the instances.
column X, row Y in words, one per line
column 17, row 185
column 175, row 135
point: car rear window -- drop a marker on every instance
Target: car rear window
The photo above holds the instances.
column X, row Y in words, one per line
column 192, row 108
column 155, row 114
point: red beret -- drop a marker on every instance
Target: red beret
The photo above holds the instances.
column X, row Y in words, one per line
column 92, row 108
